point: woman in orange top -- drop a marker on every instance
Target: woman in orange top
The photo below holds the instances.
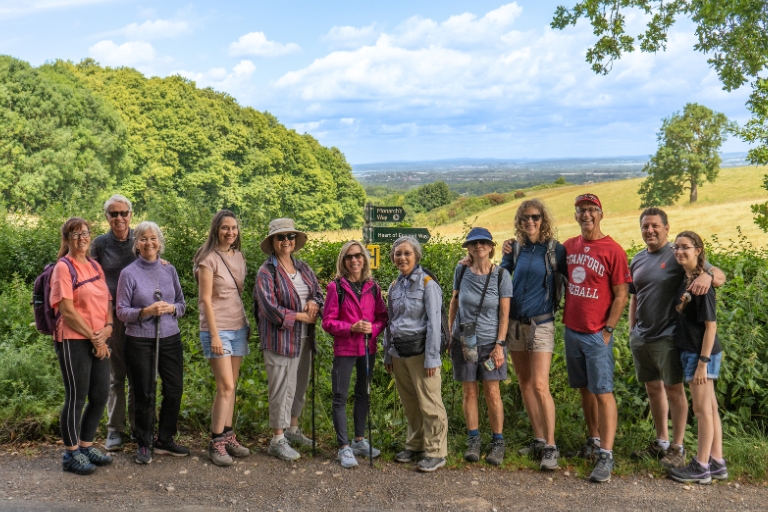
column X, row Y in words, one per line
column 80, row 296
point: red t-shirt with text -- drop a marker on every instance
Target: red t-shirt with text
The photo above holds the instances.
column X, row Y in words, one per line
column 594, row 267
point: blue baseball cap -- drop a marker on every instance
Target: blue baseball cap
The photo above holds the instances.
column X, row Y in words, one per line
column 478, row 234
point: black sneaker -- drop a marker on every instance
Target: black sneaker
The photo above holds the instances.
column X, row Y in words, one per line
column 652, row 451
column 408, row 456
column 496, row 452
column 143, row 455
column 170, row 448
column 95, row 456
column 430, row 464
column 473, row 449
column 603, row 468
column 718, row 471
column 693, row 473
column 533, row 449
column 76, row 462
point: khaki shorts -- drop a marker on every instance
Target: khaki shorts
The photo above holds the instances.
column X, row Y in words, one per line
column 658, row 360
column 533, row 338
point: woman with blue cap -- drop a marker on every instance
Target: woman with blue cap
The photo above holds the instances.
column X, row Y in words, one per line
column 478, row 316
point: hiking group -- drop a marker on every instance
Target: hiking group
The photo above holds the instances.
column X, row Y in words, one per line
column 113, row 305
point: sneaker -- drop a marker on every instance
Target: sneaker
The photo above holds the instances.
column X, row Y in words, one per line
column 114, row 441
column 217, row 452
column 652, row 451
column 603, row 468
column 533, row 448
column 143, row 455
column 361, row 448
column 693, row 473
column 298, row 438
column 718, row 471
column 590, row 450
column 347, row 457
column 408, row 455
column 95, row 456
column 473, row 449
column 77, row 462
column 496, row 452
column 549, row 456
column 675, row 457
column 282, row 450
column 234, row 448
column 430, row 464
column 170, row 448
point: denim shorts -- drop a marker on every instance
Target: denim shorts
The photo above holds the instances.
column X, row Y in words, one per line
column 234, row 343
column 589, row 361
column 690, row 362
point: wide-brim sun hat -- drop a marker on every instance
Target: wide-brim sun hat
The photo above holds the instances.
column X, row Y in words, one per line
column 282, row 225
column 478, row 234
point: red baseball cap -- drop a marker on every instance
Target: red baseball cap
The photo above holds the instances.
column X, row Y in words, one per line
column 592, row 198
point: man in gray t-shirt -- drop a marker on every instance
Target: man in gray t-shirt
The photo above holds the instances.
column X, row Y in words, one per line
column 656, row 277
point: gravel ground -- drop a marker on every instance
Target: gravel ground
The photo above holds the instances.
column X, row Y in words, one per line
column 31, row 480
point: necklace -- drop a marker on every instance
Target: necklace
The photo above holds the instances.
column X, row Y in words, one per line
column 292, row 276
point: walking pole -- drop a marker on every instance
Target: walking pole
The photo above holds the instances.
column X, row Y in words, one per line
column 314, row 442
column 367, row 338
column 158, row 296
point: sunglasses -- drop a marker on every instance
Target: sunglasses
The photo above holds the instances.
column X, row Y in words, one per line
column 479, row 242
column 122, row 214
column 285, row 236
column 536, row 217
column 350, row 257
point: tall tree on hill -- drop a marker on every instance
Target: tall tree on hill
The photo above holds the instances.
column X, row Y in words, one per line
column 428, row 197
column 687, row 155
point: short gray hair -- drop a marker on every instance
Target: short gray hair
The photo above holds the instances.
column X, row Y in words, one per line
column 142, row 228
column 117, row 198
column 410, row 240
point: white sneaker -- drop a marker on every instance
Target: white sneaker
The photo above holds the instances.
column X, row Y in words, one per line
column 297, row 437
column 361, row 448
column 282, row 450
column 347, row 457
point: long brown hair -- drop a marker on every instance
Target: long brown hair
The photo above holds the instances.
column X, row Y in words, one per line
column 547, row 230
column 72, row 224
column 698, row 243
column 213, row 236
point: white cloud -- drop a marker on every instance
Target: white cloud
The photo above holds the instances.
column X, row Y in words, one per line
column 131, row 53
column 256, row 43
column 351, row 37
column 16, row 8
column 235, row 82
column 157, row 29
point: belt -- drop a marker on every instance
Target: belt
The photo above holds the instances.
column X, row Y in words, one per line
column 535, row 319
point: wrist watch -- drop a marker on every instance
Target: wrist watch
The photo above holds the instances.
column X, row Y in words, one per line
column 710, row 272
column 704, row 359
column 608, row 329
column 500, row 342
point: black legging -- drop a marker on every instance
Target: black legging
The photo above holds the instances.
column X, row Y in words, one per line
column 84, row 375
column 341, row 374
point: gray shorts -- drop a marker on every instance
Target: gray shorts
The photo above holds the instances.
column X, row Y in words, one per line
column 474, row 372
column 657, row 360
column 589, row 361
column 532, row 338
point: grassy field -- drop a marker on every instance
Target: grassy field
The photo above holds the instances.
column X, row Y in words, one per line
column 722, row 209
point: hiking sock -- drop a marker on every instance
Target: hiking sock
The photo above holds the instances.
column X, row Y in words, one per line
column 705, row 466
column 609, row 452
column 663, row 444
column 227, row 429
column 498, row 437
column 473, row 433
column 293, row 430
column 214, row 435
column 277, row 437
column 596, row 440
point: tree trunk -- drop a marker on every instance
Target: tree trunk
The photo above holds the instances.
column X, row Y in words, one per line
column 694, row 191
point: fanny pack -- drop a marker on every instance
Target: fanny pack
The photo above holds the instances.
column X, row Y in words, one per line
column 409, row 346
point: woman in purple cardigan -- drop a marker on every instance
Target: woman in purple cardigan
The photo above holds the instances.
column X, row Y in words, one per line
column 146, row 291
column 354, row 308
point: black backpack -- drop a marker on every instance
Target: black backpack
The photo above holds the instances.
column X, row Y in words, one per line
column 550, row 263
column 341, row 292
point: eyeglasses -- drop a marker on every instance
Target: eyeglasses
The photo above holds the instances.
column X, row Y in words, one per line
column 77, row 235
column 283, row 236
column 403, row 254
column 122, row 214
column 590, row 209
column 682, row 248
column 536, row 217
column 350, row 257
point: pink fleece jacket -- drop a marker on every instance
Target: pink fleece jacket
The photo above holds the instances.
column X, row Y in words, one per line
column 338, row 320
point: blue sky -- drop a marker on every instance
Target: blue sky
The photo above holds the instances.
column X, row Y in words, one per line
column 396, row 80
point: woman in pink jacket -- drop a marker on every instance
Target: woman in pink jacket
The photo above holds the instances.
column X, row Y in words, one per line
column 354, row 310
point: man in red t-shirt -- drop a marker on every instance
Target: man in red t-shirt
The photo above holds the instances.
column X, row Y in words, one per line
column 598, row 291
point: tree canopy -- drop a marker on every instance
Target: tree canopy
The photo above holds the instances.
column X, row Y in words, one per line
column 81, row 132
column 430, row 196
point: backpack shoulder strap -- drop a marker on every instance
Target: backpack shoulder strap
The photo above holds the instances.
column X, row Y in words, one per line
column 551, row 256
column 340, row 292
column 516, row 247
column 461, row 276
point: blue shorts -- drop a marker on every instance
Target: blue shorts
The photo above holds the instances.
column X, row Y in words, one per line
column 589, row 361
column 690, row 362
column 234, row 343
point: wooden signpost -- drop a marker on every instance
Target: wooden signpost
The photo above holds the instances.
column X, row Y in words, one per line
column 373, row 235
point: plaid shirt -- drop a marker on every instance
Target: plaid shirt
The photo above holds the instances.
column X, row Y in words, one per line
column 278, row 304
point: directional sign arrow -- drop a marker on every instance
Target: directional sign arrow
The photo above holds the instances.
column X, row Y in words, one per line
column 384, row 214
column 389, row 235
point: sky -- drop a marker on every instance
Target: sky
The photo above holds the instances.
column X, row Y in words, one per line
column 397, row 80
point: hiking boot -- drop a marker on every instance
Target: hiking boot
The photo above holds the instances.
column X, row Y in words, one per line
column 496, row 452
column 590, row 450
column 347, row 457
column 473, row 449
column 408, row 455
column 282, row 450
column 430, row 464
column 114, row 441
column 533, row 448
column 718, row 471
column 361, row 448
column 675, row 457
column 298, row 438
column 234, row 448
column 77, row 462
column 95, row 456
column 693, row 473
column 217, row 452
column 652, row 451
column 143, row 455
column 549, row 456
column 603, row 468
column 170, row 447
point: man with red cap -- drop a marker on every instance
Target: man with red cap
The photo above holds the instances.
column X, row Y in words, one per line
column 598, row 292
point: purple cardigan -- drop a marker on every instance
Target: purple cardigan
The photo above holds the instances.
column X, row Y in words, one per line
column 337, row 321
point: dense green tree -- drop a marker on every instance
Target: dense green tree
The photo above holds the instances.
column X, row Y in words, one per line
column 430, row 196
column 687, row 156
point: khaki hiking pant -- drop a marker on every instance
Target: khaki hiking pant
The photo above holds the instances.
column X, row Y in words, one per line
column 422, row 401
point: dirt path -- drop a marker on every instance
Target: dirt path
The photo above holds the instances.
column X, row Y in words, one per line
column 35, row 482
